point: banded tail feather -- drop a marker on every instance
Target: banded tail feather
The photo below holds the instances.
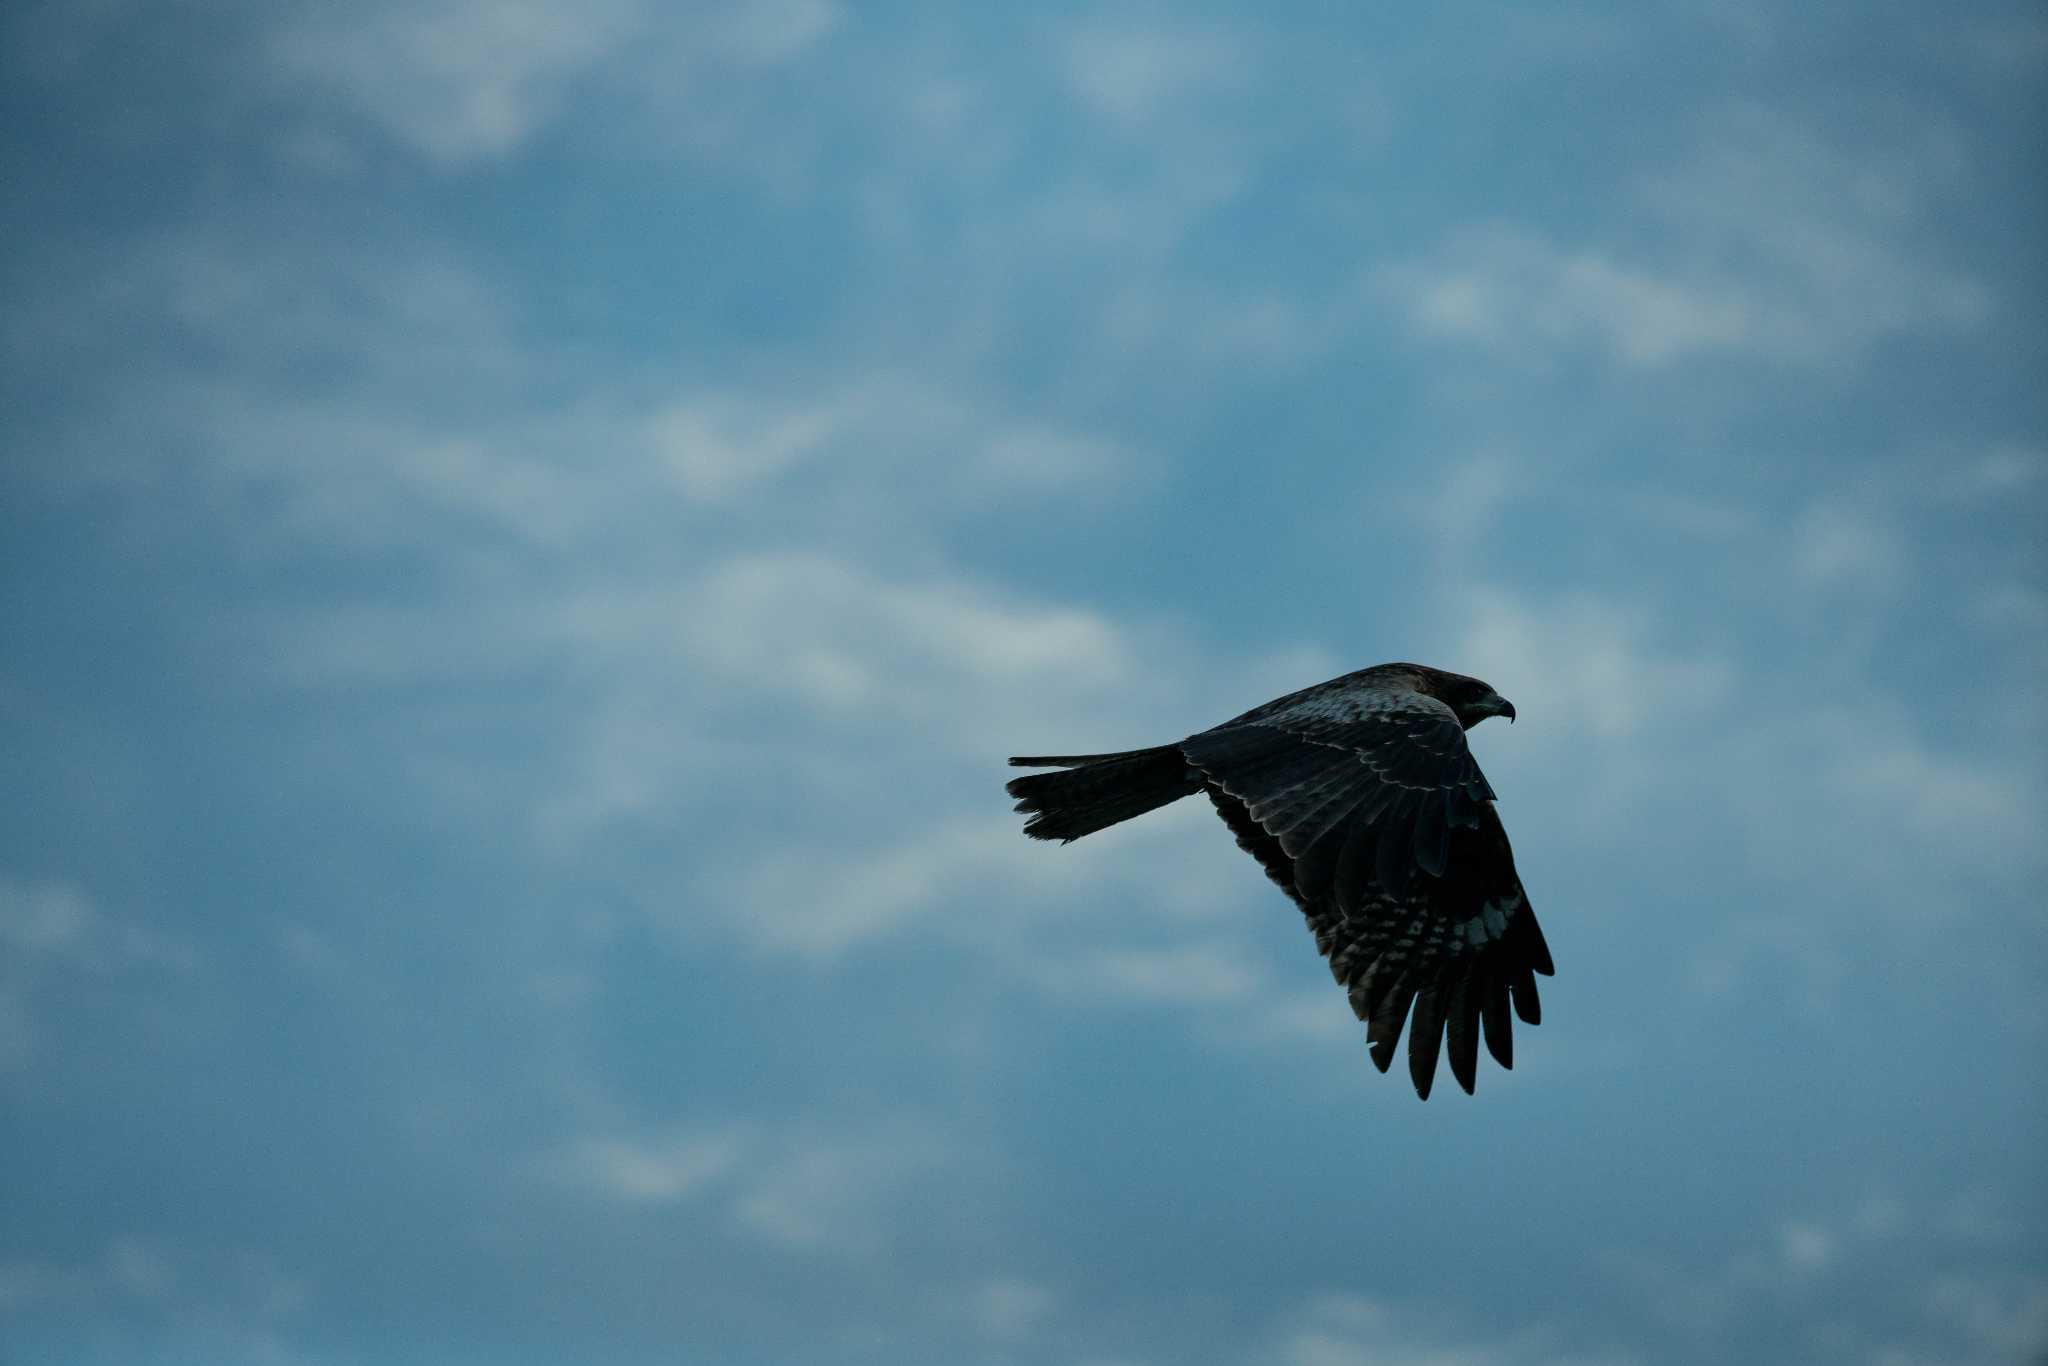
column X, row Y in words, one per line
column 1099, row 790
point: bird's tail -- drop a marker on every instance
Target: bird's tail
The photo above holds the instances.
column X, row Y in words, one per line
column 1098, row 790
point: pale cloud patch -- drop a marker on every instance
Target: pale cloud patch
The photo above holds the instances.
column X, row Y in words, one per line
column 715, row 450
column 25, row 1282
column 872, row 678
column 54, row 939
column 1321, row 1016
column 1835, row 545
column 1779, row 246
column 2012, row 607
column 1823, row 238
column 723, row 448
column 1200, row 973
column 656, row 1172
column 767, row 32
column 1806, row 1247
column 2010, row 46
column 816, row 905
column 1134, row 76
column 802, row 1185
column 1467, row 504
column 1967, row 1314
column 57, row 923
column 830, row 1193
column 1345, row 1329
column 1972, row 810
column 2008, row 469
column 454, row 80
column 817, row 902
column 1587, row 665
column 1504, row 287
column 1036, row 455
column 843, row 639
column 1009, row 1308
column 215, row 1301
column 43, row 917
column 1894, row 828
column 1105, row 218
column 2005, row 1317
column 826, row 631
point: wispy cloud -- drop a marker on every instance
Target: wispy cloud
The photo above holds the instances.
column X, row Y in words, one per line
column 658, row 1172
column 1009, row 1308
column 1136, row 75
column 53, row 938
column 150, row 1294
column 1780, row 246
column 459, row 82
column 797, row 1184
column 453, row 80
column 1341, row 1328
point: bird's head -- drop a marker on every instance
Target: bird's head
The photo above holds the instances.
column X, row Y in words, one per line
column 1471, row 699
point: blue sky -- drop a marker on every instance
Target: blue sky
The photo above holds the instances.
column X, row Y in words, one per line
column 530, row 529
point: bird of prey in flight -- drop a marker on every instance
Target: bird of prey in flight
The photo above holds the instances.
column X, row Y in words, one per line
column 1360, row 799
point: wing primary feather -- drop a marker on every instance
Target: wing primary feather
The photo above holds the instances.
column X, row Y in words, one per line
column 1384, row 1032
column 1500, row 1025
column 1527, row 1004
column 1461, row 1031
column 1425, row 1038
column 1537, row 951
column 1378, row 980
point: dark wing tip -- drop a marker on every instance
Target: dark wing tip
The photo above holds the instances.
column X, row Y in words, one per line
column 1425, row 1039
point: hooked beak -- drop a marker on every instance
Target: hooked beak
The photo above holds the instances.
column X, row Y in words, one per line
column 1507, row 709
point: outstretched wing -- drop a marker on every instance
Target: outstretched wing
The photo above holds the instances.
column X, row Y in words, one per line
column 1365, row 805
